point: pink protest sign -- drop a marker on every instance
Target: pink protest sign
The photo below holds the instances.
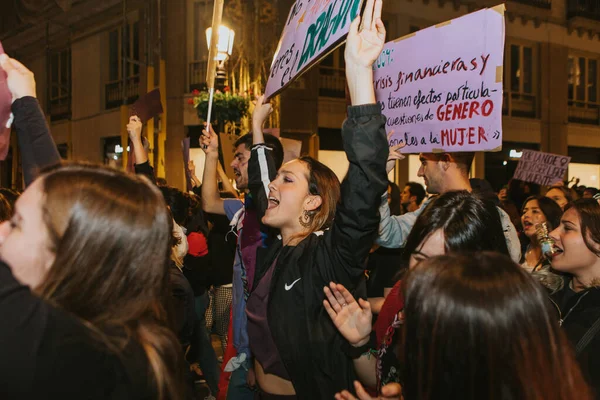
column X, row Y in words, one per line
column 5, row 113
column 440, row 89
column 312, row 30
column 541, row 168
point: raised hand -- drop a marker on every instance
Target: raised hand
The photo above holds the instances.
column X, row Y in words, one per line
column 261, row 112
column 209, row 141
column 391, row 391
column 20, row 80
column 394, row 154
column 134, row 128
column 364, row 44
column 351, row 318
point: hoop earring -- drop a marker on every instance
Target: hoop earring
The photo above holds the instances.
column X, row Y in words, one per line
column 306, row 219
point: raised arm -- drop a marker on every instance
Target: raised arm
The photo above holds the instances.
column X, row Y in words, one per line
column 211, row 200
column 38, row 149
column 357, row 218
column 141, row 166
column 261, row 166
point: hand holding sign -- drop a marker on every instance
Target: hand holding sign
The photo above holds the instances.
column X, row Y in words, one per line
column 363, row 46
column 394, row 154
column 134, row 129
column 210, row 141
column 261, row 112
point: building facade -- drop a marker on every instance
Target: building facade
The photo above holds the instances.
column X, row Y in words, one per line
column 93, row 59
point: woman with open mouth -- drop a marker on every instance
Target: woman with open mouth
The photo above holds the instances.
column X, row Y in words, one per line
column 537, row 210
column 325, row 233
column 577, row 256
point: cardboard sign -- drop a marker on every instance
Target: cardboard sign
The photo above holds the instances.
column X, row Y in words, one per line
column 440, row 89
column 5, row 112
column 313, row 29
column 542, row 168
column 148, row 106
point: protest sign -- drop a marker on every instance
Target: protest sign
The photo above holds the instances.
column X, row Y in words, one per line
column 148, row 106
column 440, row 88
column 5, row 112
column 541, row 168
column 312, row 30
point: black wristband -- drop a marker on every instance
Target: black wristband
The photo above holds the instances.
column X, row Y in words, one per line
column 357, row 352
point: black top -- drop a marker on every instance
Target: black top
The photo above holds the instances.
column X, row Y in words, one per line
column 37, row 147
column 384, row 266
column 579, row 311
column 47, row 353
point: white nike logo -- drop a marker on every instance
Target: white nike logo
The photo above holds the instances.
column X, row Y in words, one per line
column 288, row 287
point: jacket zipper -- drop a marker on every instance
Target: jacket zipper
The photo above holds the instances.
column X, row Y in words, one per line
column 562, row 320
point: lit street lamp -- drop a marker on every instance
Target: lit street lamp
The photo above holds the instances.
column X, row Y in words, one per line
column 224, row 51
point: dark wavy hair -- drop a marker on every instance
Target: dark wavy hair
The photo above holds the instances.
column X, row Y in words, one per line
column 476, row 326
column 468, row 223
column 550, row 209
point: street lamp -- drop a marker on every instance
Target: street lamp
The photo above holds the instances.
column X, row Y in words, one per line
column 224, row 50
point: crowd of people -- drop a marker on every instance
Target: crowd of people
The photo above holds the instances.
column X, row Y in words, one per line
column 112, row 283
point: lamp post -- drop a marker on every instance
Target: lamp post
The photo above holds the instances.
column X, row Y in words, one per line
column 224, row 51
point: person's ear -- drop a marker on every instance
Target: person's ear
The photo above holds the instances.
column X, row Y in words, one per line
column 313, row 202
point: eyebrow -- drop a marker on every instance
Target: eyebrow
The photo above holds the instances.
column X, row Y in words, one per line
column 422, row 159
column 285, row 171
column 566, row 221
column 238, row 154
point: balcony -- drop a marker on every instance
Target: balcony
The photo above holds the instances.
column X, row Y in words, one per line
column 114, row 91
column 197, row 75
column 60, row 108
column 332, row 82
column 589, row 9
column 517, row 104
column 584, row 112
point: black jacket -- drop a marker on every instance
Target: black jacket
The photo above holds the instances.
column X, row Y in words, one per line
column 578, row 313
column 37, row 147
column 307, row 340
column 46, row 353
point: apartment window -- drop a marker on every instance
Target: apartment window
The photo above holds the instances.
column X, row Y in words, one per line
column 123, row 77
column 520, row 88
column 199, row 62
column 60, row 85
column 583, row 90
column 332, row 75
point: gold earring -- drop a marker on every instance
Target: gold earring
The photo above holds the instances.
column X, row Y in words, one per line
column 306, row 219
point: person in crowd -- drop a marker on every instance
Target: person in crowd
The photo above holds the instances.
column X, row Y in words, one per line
column 537, row 210
column 394, row 198
column 443, row 172
column 411, row 198
column 246, row 225
column 577, row 296
column 71, row 290
column 560, row 194
column 457, row 346
column 455, row 221
column 384, row 264
column 295, row 347
column 483, row 189
column 509, row 207
column 589, row 192
column 188, row 269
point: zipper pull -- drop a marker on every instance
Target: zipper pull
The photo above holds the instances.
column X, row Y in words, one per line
column 560, row 322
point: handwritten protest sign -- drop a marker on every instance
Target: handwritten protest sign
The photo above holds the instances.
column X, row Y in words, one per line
column 441, row 88
column 541, row 168
column 312, row 30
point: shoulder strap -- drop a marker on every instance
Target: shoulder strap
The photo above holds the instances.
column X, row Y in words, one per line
column 588, row 337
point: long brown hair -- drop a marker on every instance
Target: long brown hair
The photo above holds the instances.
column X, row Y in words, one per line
column 478, row 327
column 322, row 182
column 111, row 236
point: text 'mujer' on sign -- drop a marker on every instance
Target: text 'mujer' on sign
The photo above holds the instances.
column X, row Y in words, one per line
column 447, row 98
